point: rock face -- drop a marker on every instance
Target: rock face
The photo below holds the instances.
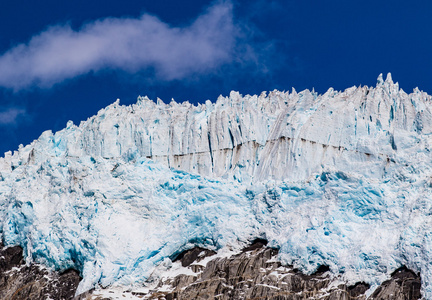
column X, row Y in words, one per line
column 403, row 285
column 19, row 281
column 255, row 274
column 252, row 274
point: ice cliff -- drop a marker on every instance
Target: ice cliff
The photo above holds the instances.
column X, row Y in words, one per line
column 341, row 179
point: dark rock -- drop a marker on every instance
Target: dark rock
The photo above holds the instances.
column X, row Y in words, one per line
column 19, row 281
column 256, row 244
column 403, row 285
column 252, row 274
column 189, row 256
column 256, row 274
column 10, row 257
column 321, row 270
column 358, row 289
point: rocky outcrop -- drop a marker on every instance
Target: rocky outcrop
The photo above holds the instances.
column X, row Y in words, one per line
column 256, row 274
column 252, row 274
column 19, row 281
column 403, row 285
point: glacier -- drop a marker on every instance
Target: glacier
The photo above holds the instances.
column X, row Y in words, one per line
column 341, row 179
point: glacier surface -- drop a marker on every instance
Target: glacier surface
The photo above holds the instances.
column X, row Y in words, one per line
column 341, row 179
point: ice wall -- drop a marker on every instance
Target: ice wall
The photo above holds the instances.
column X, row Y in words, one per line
column 341, row 179
column 282, row 136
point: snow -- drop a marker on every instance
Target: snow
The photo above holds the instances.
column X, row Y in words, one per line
column 341, row 179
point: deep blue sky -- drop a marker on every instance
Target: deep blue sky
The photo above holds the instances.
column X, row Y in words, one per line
column 247, row 46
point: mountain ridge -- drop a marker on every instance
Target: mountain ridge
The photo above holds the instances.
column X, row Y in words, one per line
column 237, row 131
column 340, row 179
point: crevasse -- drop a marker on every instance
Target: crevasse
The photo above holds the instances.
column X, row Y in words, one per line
column 342, row 179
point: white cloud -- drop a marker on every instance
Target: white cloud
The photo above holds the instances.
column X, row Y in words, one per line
column 128, row 44
column 10, row 115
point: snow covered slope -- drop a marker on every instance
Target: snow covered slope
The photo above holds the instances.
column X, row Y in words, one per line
column 341, row 179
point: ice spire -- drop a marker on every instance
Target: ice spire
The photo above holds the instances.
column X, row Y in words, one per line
column 380, row 80
column 389, row 78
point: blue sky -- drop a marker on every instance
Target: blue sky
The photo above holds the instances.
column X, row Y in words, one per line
column 65, row 60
